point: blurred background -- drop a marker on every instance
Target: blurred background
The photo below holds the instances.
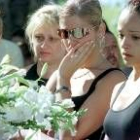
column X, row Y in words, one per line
column 14, row 14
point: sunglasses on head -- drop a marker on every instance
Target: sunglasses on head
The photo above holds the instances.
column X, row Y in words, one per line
column 77, row 33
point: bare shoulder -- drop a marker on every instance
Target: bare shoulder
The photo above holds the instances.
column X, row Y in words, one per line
column 108, row 82
column 115, row 91
column 112, row 78
column 115, row 75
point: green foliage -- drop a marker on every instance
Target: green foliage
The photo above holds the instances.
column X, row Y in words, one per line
column 111, row 15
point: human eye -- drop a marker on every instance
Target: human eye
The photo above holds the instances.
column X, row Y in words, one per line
column 53, row 39
column 120, row 36
column 135, row 37
column 39, row 38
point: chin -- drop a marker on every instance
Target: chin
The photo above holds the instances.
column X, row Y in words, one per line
column 43, row 60
column 127, row 63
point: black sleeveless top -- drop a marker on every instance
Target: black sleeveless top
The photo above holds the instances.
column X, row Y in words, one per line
column 79, row 100
column 32, row 75
column 124, row 124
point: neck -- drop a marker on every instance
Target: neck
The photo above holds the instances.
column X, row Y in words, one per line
column 135, row 74
column 97, row 62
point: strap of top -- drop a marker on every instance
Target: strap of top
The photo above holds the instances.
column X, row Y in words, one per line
column 93, row 85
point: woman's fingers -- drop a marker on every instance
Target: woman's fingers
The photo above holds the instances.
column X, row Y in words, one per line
column 83, row 52
column 75, row 59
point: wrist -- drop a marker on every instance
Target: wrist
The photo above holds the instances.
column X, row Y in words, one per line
column 63, row 89
column 62, row 82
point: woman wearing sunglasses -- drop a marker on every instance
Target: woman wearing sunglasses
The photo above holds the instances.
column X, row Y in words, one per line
column 84, row 74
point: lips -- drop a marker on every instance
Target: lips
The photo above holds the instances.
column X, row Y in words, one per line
column 127, row 55
column 44, row 53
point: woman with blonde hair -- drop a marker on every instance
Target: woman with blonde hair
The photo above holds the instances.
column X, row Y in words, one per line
column 45, row 44
column 84, row 75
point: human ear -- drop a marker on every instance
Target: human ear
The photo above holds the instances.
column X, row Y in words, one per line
column 101, row 31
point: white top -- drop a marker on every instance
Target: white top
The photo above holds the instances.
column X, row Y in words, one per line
column 8, row 47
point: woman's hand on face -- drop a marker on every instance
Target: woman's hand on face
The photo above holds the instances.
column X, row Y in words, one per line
column 75, row 59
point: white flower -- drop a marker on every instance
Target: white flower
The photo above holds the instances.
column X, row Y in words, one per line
column 68, row 103
column 23, row 104
column 31, row 96
column 41, row 120
column 19, row 113
column 6, row 129
column 74, row 120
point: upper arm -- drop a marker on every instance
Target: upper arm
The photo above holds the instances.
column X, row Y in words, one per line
column 51, row 84
column 98, row 104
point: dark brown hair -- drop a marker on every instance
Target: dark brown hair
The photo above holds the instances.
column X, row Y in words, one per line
column 134, row 5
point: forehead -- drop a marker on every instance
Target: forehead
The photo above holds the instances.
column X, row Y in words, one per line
column 72, row 22
column 44, row 28
column 129, row 20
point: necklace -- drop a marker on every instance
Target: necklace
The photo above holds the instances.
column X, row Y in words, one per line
column 90, row 70
column 83, row 72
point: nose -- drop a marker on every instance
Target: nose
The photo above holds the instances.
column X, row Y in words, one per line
column 125, row 43
column 44, row 44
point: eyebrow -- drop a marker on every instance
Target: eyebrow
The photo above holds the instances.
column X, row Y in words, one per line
column 130, row 31
column 134, row 31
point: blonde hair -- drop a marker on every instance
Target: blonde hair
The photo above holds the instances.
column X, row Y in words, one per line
column 85, row 9
column 47, row 14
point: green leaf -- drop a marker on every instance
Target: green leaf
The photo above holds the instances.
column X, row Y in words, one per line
column 43, row 71
column 6, row 59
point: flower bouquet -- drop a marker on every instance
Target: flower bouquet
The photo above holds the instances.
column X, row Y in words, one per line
column 25, row 105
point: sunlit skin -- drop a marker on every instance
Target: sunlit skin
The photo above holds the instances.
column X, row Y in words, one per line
column 47, row 48
column 126, row 94
column 76, row 22
column 47, row 44
column 129, row 38
column 82, row 64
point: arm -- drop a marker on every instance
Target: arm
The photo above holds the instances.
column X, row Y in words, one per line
column 51, row 84
column 97, row 105
column 70, row 63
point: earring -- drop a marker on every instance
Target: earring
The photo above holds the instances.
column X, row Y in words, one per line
column 101, row 41
column 102, row 44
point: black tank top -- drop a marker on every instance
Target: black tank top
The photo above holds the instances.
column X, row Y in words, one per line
column 79, row 100
column 124, row 124
column 32, row 75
